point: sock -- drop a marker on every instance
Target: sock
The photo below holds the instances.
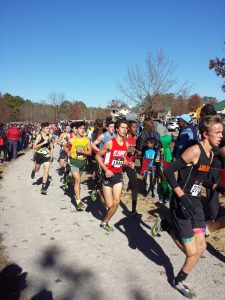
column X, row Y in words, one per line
column 181, row 276
column 165, row 225
column 43, row 186
column 78, row 201
column 207, row 233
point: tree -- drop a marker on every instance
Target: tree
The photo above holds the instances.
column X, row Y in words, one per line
column 77, row 111
column 4, row 110
column 57, row 100
column 144, row 87
column 14, row 103
column 219, row 67
column 209, row 100
column 179, row 106
column 65, row 109
column 194, row 101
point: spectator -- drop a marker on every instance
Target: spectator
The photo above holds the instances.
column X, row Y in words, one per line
column 187, row 135
column 3, row 143
column 13, row 134
column 147, row 132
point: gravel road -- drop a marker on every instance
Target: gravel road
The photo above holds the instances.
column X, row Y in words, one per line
column 63, row 254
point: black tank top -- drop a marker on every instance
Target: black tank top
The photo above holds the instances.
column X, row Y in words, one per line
column 44, row 149
column 42, row 140
column 191, row 178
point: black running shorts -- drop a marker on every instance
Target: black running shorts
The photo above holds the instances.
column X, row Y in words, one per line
column 185, row 228
column 41, row 159
column 110, row 182
column 63, row 154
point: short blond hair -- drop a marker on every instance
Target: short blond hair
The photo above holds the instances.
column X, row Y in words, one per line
column 207, row 122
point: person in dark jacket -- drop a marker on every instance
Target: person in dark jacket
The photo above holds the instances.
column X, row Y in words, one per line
column 147, row 132
column 187, row 135
column 3, row 143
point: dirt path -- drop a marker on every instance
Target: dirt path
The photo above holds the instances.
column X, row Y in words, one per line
column 63, row 254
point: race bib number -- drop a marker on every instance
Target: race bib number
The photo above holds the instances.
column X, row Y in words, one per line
column 44, row 151
column 80, row 155
column 117, row 162
column 195, row 190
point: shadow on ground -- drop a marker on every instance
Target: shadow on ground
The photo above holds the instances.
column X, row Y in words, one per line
column 138, row 238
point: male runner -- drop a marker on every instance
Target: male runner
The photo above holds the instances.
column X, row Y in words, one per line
column 96, row 145
column 114, row 152
column 42, row 148
column 62, row 140
column 131, row 172
column 104, row 137
column 188, row 219
column 81, row 147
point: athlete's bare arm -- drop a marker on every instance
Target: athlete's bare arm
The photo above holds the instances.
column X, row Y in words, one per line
column 88, row 151
column 97, row 142
column 106, row 147
column 190, row 156
column 59, row 141
column 37, row 141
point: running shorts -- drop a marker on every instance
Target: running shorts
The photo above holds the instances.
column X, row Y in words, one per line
column 185, row 229
column 41, row 159
column 110, row 182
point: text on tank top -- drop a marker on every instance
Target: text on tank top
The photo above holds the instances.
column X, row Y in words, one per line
column 191, row 178
column 44, row 149
column 80, row 144
column 114, row 158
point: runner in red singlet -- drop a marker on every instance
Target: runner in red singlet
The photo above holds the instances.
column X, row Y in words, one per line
column 114, row 152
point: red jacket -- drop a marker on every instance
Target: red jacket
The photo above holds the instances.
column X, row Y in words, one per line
column 13, row 134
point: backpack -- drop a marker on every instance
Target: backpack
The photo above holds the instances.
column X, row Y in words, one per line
column 1, row 141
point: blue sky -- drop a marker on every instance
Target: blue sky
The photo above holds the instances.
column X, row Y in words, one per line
column 84, row 48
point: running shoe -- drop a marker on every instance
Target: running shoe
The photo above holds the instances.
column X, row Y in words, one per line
column 94, row 195
column 106, row 227
column 185, row 290
column 156, row 228
column 67, row 181
column 81, row 206
column 32, row 174
column 43, row 191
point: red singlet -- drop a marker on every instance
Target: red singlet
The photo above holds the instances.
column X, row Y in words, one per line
column 132, row 140
column 114, row 158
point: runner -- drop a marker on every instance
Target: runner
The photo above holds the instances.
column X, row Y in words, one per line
column 43, row 148
column 71, row 135
column 188, row 219
column 33, row 137
column 81, row 147
column 63, row 155
column 104, row 137
column 131, row 172
column 114, row 152
column 96, row 145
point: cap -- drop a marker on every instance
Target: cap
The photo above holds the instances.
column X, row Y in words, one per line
column 185, row 117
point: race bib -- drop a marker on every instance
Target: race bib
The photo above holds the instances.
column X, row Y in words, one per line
column 117, row 162
column 80, row 155
column 195, row 190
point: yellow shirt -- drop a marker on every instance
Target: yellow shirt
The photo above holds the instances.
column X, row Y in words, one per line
column 79, row 144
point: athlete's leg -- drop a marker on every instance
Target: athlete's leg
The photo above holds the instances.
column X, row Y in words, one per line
column 133, row 183
column 76, row 176
column 46, row 167
column 193, row 250
column 113, row 201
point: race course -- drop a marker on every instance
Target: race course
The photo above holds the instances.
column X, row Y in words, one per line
column 64, row 254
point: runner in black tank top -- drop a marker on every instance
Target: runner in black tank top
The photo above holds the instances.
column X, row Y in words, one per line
column 188, row 220
column 190, row 179
column 43, row 148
